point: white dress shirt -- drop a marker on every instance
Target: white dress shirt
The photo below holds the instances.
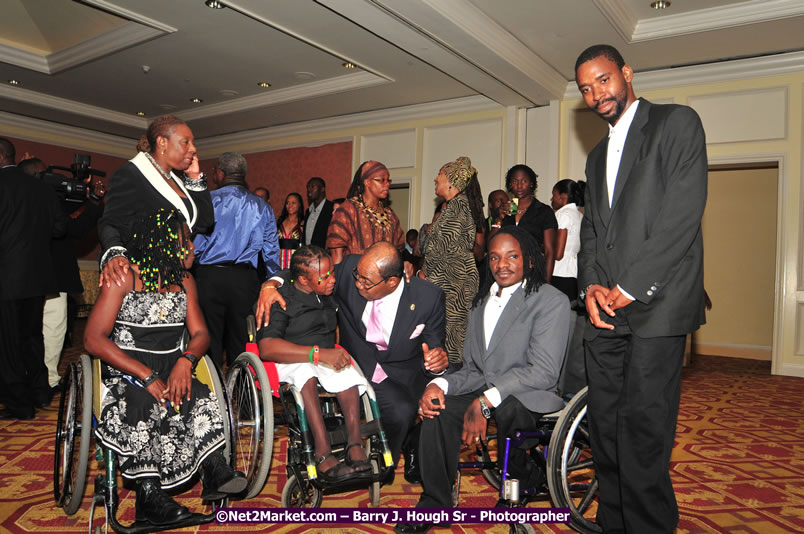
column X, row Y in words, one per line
column 617, row 135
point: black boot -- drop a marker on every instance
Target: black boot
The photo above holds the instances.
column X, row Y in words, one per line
column 219, row 479
column 157, row 507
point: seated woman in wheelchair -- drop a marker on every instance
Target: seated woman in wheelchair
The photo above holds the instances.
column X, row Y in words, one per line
column 513, row 352
column 301, row 340
column 162, row 422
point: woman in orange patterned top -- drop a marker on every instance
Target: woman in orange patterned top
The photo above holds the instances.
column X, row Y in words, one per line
column 290, row 227
column 364, row 218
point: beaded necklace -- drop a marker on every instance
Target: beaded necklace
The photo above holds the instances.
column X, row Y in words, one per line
column 165, row 175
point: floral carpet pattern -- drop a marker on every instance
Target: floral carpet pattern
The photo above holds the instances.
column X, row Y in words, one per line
column 738, row 465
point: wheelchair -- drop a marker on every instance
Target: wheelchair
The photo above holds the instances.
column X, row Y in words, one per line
column 562, row 448
column 249, row 382
column 79, row 408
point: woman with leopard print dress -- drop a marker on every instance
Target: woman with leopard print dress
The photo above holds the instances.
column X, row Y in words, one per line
column 448, row 258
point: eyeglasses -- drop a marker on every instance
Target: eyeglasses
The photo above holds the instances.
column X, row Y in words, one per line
column 364, row 282
column 381, row 180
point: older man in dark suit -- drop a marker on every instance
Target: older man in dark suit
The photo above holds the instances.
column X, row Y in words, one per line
column 513, row 354
column 641, row 264
column 394, row 330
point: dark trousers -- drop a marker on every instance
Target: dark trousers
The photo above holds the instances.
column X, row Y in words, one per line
column 398, row 405
column 634, row 393
column 22, row 356
column 227, row 295
column 440, row 446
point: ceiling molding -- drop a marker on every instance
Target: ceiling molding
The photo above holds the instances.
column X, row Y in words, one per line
column 470, row 104
column 738, row 69
column 474, row 22
column 716, row 18
column 41, row 131
column 114, row 9
column 339, row 84
column 621, row 17
column 71, row 106
column 26, row 59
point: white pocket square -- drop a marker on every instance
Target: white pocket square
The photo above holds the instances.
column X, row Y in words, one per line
column 417, row 331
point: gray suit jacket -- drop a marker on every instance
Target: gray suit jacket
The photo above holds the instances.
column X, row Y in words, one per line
column 649, row 241
column 526, row 351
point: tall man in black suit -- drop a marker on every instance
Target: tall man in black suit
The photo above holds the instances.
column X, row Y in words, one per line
column 319, row 213
column 641, row 264
column 29, row 218
column 394, row 330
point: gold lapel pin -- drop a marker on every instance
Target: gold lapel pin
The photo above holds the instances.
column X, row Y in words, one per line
column 412, row 307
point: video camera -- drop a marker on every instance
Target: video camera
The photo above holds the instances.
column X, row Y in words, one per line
column 74, row 188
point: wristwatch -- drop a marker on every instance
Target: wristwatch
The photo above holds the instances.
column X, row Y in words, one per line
column 484, row 408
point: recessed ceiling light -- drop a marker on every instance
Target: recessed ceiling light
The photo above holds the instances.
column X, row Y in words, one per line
column 196, row 100
column 13, row 82
column 264, row 85
column 214, row 4
column 140, row 113
column 660, row 4
column 349, row 65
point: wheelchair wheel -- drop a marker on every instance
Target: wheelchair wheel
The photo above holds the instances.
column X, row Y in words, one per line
column 252, row 420
column 570, row 470
column 73, row 428
column 374, row 488
column 216, row 379
column 294, row 497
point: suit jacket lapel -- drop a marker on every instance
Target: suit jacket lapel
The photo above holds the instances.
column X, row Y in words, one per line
column 633, row 143
column 507, row 319
column 403, row 317
column 600, row 190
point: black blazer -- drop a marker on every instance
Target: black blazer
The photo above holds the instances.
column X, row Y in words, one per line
column 65, row 264
column 422, row 303
column 131, row 196
column 30, row 216
column 649, row 241
column 321, row 225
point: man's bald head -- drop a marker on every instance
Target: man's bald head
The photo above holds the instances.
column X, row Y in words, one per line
column 387, row 259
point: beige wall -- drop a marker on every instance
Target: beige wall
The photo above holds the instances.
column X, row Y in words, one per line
column 748, row 119
column 739, row 229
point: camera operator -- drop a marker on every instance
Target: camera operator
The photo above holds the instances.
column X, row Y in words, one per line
column 80, row 214
column 29, row 218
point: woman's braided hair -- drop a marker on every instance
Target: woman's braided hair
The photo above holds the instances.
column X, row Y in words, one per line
column 157, row 250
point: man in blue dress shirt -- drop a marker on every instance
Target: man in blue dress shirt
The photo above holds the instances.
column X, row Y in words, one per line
column 226, row 274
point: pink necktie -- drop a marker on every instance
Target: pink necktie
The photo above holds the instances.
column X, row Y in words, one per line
column 374, row 327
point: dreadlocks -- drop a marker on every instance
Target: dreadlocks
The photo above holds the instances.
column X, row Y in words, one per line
column 303, row 258
column 157, row 250
column 534, row 267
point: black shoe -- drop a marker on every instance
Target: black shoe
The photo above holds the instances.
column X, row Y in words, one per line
column 17, row 414
column 156, row 507
column 219, row 479
column 412, row 474
column 413, row 528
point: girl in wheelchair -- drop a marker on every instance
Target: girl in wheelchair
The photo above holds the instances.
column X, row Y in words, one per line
column 301, row 339
column 162, row 422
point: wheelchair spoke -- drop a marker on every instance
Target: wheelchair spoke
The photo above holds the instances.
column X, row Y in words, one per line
column 588, row 497
column 587, row 464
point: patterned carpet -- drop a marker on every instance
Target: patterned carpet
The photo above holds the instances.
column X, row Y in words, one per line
column 738, row 465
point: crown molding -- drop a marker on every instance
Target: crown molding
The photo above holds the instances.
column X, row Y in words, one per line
column 26, row 59
column 632, row 30
column 737, row 69
column 69, row 136
column 470, row 104
column 71, row 106
column 621, row 17
column 339, row 84
column 474, row 22
column 715, row 18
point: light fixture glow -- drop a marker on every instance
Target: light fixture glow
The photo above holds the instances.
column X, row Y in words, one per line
column 13, row 82
column 660, row 4
column 140, row 113
column 349, row 65
column 214, row 4
column 196, row 100
column 264, row 85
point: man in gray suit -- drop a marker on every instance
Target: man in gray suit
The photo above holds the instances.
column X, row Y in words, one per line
column 513, row 353
column 641, row 264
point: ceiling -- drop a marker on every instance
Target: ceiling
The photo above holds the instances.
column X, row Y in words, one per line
column 95, row 63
